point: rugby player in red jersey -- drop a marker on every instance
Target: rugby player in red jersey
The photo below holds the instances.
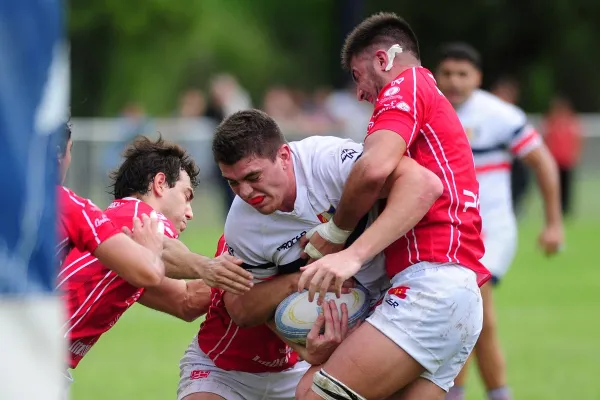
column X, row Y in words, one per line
column 420, row 336
column 156, row 177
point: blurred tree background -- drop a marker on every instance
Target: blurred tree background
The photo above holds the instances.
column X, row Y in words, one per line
column 149, row 51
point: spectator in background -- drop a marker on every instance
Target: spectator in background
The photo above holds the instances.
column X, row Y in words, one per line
column 226, row 97
column 352, row 115
column 564, row 138
column 192, row 104
column 507, row 88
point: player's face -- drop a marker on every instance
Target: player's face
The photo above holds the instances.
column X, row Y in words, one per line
column 176, row 202
column 265, row 184
column 457, row 79
column 64, row 162
column 370, row 80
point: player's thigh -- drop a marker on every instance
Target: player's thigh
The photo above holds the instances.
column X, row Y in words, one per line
column 489, row 315
column 204, row 396
column 500, row 249
column 434, row 313
column 200, row 377
column 421, row 389
column 365, row 357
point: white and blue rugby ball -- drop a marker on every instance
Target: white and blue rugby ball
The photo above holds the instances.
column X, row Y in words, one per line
column 295, row 316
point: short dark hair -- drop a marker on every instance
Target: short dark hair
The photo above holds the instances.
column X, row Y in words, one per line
column 144, row 159
column 246, row 133
column 380, row 29
column 460, row 51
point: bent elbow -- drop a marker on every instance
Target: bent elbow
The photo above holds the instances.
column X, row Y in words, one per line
column 432, row 186
column 376, row 174
column 151, row 279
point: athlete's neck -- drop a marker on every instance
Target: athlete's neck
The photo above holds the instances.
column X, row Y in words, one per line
column 289, row 201
column 402, row 62
column 150, row 200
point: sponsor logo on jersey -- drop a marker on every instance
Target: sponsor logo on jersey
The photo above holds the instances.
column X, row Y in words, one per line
column 325, row 216
column 397, row 81
column 199, row 374
column 291, row 242
column 280, row 362
column 80, row 349
column 101, row 221
column 348, row 154
column 391, row 91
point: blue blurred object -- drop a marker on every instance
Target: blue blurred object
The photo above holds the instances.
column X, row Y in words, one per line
column 34, row 90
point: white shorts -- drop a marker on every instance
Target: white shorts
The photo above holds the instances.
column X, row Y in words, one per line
column 500, row 248
column 433, row 312
column 198, row 374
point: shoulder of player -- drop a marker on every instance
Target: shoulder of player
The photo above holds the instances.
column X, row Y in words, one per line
column 243, row 221
column 495, row 106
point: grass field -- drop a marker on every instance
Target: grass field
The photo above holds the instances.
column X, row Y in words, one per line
column 549, row 316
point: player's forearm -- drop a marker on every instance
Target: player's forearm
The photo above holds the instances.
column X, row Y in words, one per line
column 360, row 192
column 197, row 300
column 410, row 197
column 180, row 262
column 383, row 151
column 298, row 348
column 546, row 172
column 131, row 261
column 258, row 305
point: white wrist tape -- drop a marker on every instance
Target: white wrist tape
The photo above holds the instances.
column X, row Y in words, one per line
column 328, row 231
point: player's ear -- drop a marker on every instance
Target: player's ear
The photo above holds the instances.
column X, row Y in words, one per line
column 285, row 154
column 159, row 184
column 380, row 60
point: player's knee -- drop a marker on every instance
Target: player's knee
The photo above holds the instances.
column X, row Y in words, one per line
column 329, row 388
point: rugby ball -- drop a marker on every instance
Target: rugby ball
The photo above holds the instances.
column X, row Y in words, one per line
column 295, row 315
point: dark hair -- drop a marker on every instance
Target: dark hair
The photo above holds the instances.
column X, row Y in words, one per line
column 246, row 133
column 460, row 51
column 63, row 140
column 379, row 29
column 144, row 159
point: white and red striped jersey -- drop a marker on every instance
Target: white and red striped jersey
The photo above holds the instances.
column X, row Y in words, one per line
column 269, row 245
column 95, row 296
column 413, row 107
column 497, row 131
column 81, row 224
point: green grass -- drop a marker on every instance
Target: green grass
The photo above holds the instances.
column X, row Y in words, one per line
column 549, row 318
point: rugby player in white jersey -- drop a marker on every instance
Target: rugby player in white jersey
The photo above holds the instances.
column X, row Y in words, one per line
column 283, row 191
column 497, row 131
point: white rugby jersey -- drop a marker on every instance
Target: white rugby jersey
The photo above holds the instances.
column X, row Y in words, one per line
column 497, row 131
column 268, row 244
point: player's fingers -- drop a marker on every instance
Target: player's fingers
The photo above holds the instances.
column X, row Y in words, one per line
column 231, row 279
column 329, row 327
column 325, row 284
column 339, row 282
column 234, row 288
column 314, row 284
column 335, row 317
column 305, row 277
column 349, row 283
column 126, row 231
column 241, row 274
column 137, row 224
column 146, row 222
column 315, row 330
column 344, row 321
column 303, row 241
